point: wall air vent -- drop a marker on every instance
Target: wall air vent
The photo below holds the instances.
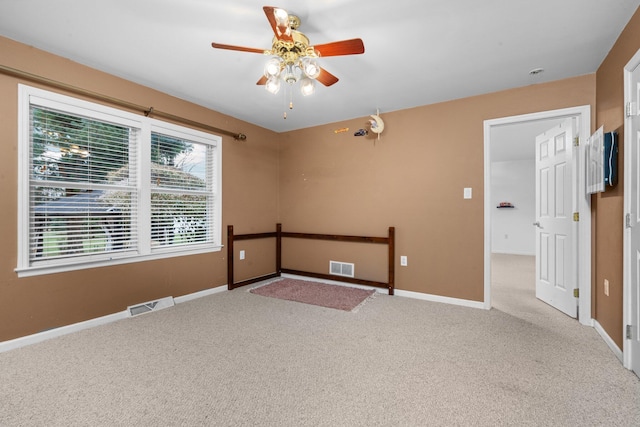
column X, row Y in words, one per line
column 341, row 268
column 147, row 307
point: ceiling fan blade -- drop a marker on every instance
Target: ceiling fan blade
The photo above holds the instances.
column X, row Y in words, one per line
column 344, row 47
column 279, row 20
column 262, row 81
column 326, row 78
column 240, row 48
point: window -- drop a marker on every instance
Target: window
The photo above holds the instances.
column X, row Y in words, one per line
column 180, row 191
column 99, row 186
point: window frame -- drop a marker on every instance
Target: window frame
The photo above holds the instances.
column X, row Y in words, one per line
column 28, row 96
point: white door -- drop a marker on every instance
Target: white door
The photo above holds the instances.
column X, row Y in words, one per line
column 555, row 278
column 633, row 224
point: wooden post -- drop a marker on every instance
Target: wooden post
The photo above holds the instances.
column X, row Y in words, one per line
column 392, row 259
column 279, row 249
column 230, row 257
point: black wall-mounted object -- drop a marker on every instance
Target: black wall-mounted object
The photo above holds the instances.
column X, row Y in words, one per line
column 610, row 159
column 602, row 161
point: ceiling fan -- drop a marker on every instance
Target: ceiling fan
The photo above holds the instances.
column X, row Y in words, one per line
column 293, row 58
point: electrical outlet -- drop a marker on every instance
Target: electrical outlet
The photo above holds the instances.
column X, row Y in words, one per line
column 241, row 254
column 606, row 287
column 403, row 260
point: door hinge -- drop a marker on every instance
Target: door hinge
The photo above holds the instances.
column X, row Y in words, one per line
column 576, row 141
column 629, row 334
column 576, row 293
column 627, row 220
column 576, row 216
column 631, row 109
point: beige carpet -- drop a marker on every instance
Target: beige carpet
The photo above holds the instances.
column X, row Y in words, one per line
column 238, row 359
column 513, row 288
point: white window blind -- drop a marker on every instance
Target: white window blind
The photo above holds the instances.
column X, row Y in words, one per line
column 100, row 186
column 182, row 197
column 82, row 189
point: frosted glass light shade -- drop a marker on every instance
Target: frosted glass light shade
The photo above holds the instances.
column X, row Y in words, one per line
column 282, row 17
column 307, row 86
column 310, row 68
column 272, row 68
column 272, row 85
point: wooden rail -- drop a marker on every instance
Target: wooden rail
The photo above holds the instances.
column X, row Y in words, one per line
column 148, row 111
column 279, row 235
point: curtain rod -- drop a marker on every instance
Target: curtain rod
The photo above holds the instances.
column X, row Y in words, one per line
column 125, row 104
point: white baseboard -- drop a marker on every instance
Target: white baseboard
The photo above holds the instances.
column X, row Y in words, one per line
column 200, row 294
column 438, row 298
column 607, row 339
column 397, row 292
column 498, row 252
column 76, row 327
column 91, row 323
column 333, row 282
column 63, row 330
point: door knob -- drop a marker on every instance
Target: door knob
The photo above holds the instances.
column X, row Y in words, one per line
column 537, row 224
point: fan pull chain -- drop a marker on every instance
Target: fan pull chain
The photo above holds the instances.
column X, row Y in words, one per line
column 291, row 98
column 284, row 102
column 288, row 89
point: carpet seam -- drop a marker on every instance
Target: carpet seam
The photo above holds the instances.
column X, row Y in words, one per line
column 370, row 297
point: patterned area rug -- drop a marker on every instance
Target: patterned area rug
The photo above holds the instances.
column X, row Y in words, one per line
column 332, row 296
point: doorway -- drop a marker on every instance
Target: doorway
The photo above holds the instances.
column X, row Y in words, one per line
column 537, row 123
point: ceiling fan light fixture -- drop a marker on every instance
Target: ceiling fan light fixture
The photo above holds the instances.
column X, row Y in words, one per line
column 273, row 67
column 291, row 74
column 292, row 57
column 272, row 85
column 310, row 68
column 307, row 86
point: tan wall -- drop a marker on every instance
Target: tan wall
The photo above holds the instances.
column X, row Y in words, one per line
column 318, row 181
column 250, row 185
column 413, row 179
column 608, row 207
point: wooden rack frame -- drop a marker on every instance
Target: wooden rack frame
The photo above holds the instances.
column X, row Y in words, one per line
column 279, row 235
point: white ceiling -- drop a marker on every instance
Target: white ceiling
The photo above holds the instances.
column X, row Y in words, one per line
column 516, row 141
column 416, row 52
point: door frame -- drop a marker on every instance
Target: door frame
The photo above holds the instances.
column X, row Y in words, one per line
column 582, row 229
column 627, row 301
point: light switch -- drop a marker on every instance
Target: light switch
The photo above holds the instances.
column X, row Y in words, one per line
column 241, row 254
column 403, row 260
column 467, row 193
